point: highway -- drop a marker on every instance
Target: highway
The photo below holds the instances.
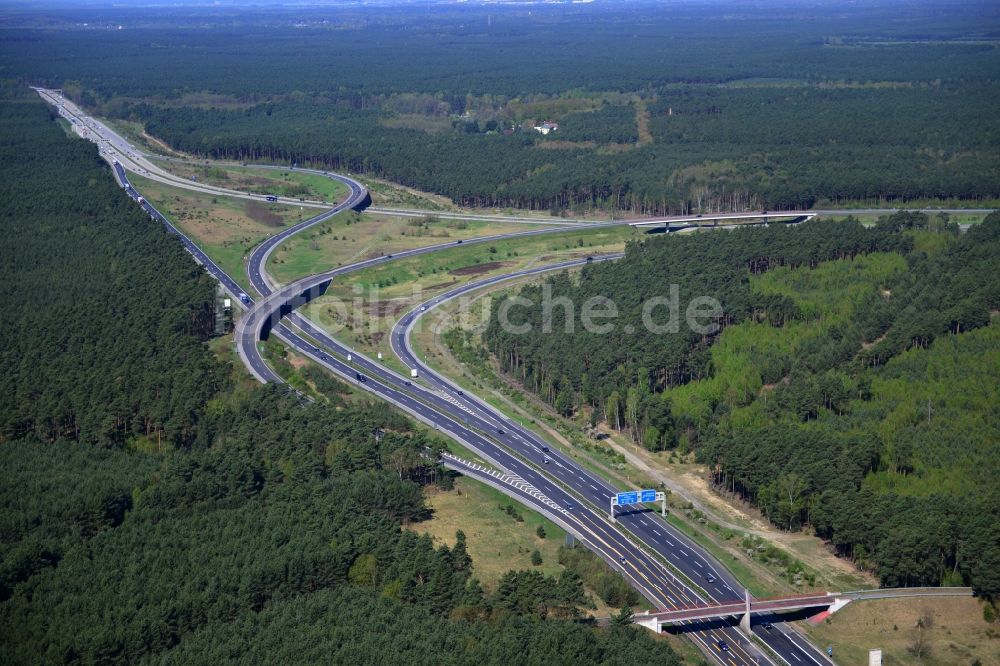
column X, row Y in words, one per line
column 476, row 426
column 647, row 526
column 446, row 413
column 645, row 573
column 113, row 146
column 573, row 495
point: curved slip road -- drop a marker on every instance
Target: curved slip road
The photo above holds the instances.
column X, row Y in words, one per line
column 136, row 161
column 646, row 572
column 647, row 526
column 477, row 428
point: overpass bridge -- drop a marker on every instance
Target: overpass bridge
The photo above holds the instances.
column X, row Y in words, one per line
column 724, row 220
column 830, row 601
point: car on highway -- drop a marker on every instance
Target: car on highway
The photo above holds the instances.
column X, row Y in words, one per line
column 545, row 448
column 360, row 377
column 500, row 431
column 766, row 626
column 723, row 645
column 423, row 307
column 546, row 460
column 461, row 392
column 570, row 506
column 244, row 298
column 622, row 560
column 709, row 578
column 458, row 242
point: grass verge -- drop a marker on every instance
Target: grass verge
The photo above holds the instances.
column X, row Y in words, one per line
column 351, row 237
column 935, row 631
column 226, row 228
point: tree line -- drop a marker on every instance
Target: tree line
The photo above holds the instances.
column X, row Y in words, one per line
column 800, row 120
column 783, row 158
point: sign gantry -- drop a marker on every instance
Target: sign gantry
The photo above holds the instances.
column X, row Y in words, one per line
column 631, row 497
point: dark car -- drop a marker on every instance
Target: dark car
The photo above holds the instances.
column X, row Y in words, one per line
column 461, row 392
column 545, row 448
column 360, row 377
column 570, row 506
column 500, row 431
column 723, row 645
column 458, row 242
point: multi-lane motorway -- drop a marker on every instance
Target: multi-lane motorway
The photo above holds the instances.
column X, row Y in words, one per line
column 473, row 424
column 548, row 480
column 515, row 449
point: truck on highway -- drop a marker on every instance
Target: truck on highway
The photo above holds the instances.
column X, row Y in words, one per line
column 413, row 372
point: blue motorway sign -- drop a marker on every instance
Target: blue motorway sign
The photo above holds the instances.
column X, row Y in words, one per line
column 628, row 498
column 648, row 496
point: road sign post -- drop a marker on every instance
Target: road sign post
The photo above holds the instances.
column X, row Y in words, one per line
column 638, row 497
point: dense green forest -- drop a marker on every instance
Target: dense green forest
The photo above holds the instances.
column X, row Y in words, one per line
column 106, row 317
column 152, row 511
column 774, row 107
column 850, row 386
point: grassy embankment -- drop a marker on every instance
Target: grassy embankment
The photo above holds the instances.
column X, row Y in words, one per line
column 870, row 219
column 932, row 632
column 391, row 289
column 502, row 535
column 282, row 182
column 350, row 237
column 226, row 228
